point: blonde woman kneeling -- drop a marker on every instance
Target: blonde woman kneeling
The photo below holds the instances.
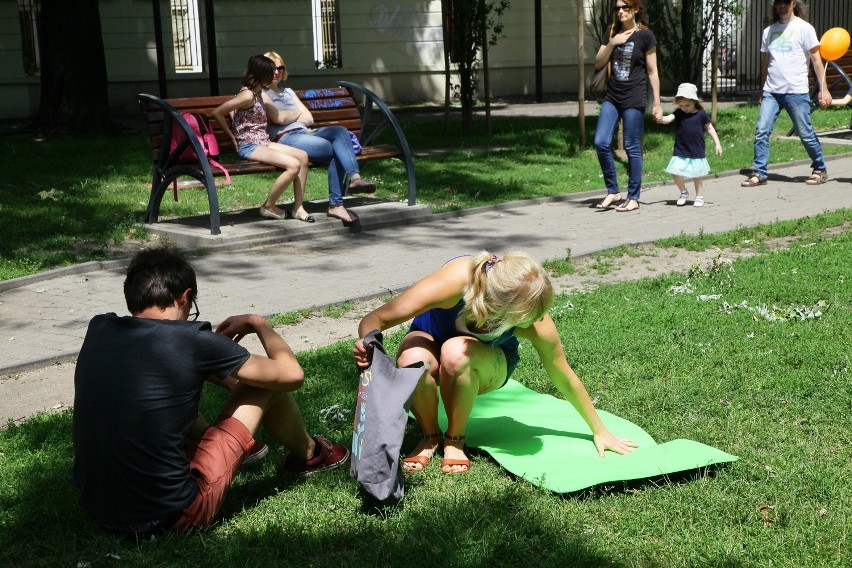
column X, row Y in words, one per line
column 468, row 317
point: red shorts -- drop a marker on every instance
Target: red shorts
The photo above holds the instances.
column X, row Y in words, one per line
column 213, row 461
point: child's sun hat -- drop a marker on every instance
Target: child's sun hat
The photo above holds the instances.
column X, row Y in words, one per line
column 687, row 91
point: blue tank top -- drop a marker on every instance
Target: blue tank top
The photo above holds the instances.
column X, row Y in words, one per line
column 441, row 323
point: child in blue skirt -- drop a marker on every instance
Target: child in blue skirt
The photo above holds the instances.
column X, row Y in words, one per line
column 689, row 157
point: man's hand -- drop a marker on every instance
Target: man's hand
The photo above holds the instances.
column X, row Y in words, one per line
column 237, row 327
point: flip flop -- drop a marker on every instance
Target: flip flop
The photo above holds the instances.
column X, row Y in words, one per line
column 353, row 218
column 609, row 201
column 625, row 208
column 361, row 185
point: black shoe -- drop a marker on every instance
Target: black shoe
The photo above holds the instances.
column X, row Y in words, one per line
column 362, row 186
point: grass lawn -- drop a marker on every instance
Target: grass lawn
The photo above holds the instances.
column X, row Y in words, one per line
column 66, row 201
column 756, row 372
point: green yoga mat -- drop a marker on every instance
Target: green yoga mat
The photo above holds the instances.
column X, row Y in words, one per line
column 544, row 440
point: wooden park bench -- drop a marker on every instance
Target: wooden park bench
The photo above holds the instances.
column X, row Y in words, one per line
column 332, row 106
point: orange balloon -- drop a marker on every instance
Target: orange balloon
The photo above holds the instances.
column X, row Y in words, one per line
column 834, row 43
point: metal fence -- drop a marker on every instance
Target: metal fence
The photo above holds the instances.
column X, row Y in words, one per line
column 739, row 47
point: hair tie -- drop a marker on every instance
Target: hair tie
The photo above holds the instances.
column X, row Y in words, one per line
column 491, row 262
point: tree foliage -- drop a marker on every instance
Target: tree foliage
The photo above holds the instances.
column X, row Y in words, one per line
column 684, row 32
column 468, row 25
column 683, row 29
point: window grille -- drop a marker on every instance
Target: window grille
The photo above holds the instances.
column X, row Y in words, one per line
column 29, row 14
column 326, row 20
column 186, row 36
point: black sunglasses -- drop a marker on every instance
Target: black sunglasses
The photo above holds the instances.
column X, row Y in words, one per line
column 194, row 314
column 281, row 68
column 783, row 2
column 618, row 8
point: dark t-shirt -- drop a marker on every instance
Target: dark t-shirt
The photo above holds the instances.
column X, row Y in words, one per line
column 689, row 140
column 137, row 387
column 628, row 84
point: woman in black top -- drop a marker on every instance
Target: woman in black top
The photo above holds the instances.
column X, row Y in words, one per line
column 632, row 52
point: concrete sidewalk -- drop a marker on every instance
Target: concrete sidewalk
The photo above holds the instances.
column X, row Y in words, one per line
column 43, row 318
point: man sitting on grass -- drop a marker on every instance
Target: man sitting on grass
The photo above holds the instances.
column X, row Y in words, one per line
column 138, row 384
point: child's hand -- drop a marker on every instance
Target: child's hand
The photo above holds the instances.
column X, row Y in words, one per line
column 718, row 149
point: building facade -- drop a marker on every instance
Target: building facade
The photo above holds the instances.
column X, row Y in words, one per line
column 394, row 47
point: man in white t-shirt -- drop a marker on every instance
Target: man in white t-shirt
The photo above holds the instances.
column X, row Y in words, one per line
column 786, row 46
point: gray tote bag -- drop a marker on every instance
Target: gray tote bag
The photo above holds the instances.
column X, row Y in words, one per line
column 381, row 412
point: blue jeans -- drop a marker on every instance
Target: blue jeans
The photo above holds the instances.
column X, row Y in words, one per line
column 328, row 145
column 798, row 106
column 634, row 128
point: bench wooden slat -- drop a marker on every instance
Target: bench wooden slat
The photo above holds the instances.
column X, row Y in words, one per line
column 306, row 95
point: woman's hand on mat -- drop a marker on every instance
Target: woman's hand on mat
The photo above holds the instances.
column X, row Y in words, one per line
column 606, row 441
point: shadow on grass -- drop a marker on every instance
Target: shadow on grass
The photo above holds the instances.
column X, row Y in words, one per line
column 271, row 520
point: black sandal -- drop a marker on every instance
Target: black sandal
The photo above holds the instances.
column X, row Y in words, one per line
column 609, row 201
column 353, row 218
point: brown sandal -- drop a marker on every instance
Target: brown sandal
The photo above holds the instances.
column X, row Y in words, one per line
column 817, row 177
column 423, row 460
column 449, row 463
column 753, row 180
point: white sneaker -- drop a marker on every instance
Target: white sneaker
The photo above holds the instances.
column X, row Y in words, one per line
column 699, row 201
column 681, row 201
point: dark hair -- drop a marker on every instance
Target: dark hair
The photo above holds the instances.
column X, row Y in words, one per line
column 639, row 16
column 259, row 72
column 799, row 10
column 156, row 277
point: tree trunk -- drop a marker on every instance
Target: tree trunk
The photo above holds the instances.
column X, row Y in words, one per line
column 74, row 96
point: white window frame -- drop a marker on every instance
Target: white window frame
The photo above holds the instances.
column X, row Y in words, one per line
column 29, row 14
column 186, row 36
column 326, row 28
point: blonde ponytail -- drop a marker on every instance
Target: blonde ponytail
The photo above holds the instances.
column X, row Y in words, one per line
column 506, row 291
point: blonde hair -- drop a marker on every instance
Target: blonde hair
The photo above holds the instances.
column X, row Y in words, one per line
column 274, row 57
column 506, row 291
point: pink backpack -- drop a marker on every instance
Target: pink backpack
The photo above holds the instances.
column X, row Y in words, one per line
column 200, row 124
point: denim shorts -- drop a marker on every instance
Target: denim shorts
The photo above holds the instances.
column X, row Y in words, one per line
column 245, row 150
